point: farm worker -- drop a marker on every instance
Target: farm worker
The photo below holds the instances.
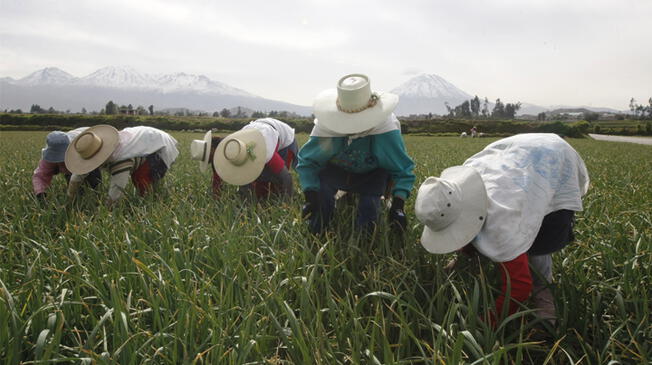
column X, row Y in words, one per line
column 474, row 132
column 355, row 146
column 202, row 150
column 258, row 158
column 142, row 153
column 52, row 162
column 514, row 202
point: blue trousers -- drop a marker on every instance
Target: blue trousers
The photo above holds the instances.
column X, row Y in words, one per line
column 369, row 187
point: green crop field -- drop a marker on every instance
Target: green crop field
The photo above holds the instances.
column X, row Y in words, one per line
column 181, row 278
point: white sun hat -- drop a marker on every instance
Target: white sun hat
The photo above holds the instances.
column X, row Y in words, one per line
column 91, row 148
column 453, row 209
column 352, row 107
column 240, row 157
column 200, row 150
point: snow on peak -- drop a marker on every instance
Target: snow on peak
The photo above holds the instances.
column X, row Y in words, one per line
column 118, row 76
column 47, row 76
column 198, row 83
column 430, row 86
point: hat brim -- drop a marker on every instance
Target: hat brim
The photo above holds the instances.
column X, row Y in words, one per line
column 326, row 111
column 473, row 213
column 76, row 164
column 251, row 169
column 203, row 164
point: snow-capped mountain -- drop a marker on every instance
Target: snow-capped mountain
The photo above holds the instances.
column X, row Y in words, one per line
column 47, row 76
column 430, row 86
column 119, row 77
column 427, row 93
column 125, row 85
column 200, row 83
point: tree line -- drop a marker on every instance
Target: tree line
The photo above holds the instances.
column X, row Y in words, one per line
column 472, row 109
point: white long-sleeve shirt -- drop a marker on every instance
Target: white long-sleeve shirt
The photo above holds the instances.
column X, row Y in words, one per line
column 526, row 176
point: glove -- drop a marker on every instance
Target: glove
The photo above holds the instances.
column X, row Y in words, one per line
column 312, row 204
column 397, row 218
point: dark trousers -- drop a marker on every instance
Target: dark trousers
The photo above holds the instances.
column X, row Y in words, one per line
column 369, row 187
column 267, row 184
column 555, row 233
column 93, row 179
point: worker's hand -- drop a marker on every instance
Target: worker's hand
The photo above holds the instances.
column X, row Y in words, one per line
column 40, row 197
column 397, row 218
column 311, row 205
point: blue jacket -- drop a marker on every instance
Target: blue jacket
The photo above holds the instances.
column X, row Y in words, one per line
column 386, row 151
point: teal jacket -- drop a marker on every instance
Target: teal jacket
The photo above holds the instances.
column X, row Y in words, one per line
column 365, row 154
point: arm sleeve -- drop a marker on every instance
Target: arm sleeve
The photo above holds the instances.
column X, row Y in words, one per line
column 518, row 274
column 74, row 184
column 42, row 177
column 313, row 157
column 117, row 185
column 393, row 157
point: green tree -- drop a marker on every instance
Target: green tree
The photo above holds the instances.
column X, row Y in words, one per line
column 83, row 111
column 225, row 113
column 475, row 107
column 485, row 108
column 151, row 109
column 257, row 114
column 511, row 109
column 36, row 109
column 111, row 108
column 541, row 116
column 499, row 110
column 591, row 116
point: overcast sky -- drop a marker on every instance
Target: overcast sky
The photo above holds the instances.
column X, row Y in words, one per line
column 573, row 52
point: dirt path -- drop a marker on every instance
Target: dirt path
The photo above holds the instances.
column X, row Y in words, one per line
column 605, row 137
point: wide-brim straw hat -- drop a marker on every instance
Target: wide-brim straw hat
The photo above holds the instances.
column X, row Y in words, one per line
column 453, row 209
column 240, row 157
column 56, row 144
column 352, row 107
column 91, row 148
column 200, row 150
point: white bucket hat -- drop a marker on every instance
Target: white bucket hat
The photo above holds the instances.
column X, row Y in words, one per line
column 91, row 148
column 352, row 107
column 200, row 150
column 240, row 157
column 453, row 209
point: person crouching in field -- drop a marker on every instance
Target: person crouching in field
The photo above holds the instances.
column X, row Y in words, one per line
column 52, row 162
column 142, row 153
column 355, row 146
column 202, row 150
column 513, row 202
column 258, row 158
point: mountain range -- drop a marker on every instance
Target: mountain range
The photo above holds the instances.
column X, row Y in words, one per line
column 422, row 94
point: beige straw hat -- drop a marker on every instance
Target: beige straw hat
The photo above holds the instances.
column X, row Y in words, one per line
column 90, row 149
column 200, row 150
column 240, row 157
column 352, row 107
column 453, row 209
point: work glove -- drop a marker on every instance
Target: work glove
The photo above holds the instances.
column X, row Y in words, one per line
column 397, row 218
column 312, row 204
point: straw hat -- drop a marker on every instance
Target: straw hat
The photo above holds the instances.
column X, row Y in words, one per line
column 55, row 151
column 240, row 157
column 352, row 107
column 91, row 148
column 200, row 150
column 453, row 209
